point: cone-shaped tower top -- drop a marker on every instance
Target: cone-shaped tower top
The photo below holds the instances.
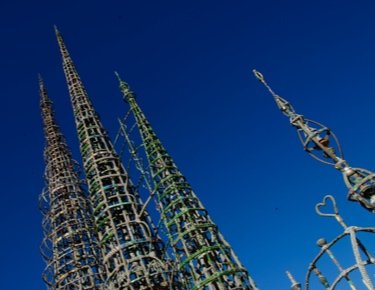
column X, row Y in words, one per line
column 127, row 93
column 200, row 249
column 133, row 254
column 41, row 84
column 44, row 99
column 70, row 246
column 322, row 144
column 62, row 46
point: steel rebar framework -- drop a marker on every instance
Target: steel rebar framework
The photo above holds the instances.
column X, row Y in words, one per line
column 70, row 246
column 130, row 149
column 106, row 240
column 133, row 254
column 345, row 275
column 205, row 258
column 322, row 144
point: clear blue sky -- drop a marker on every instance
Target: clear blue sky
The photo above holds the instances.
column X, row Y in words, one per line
column 190, row 64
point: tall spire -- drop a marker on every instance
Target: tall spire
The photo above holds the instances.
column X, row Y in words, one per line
column 205, row 258
column 70, row 245
column 322, row 144
column 133, row 254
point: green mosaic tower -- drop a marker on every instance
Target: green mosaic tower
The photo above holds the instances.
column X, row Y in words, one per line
column 204, row 257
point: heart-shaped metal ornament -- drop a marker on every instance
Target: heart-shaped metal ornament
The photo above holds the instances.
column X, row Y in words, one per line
column 328, row 204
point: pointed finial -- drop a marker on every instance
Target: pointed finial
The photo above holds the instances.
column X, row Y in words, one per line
column 261, row 78
column 121, row 82
column 119, row 78
column 44, row 99
column 42, row 88
column 64, row 52
column 295, row 284
column 125, row 88
column 40, row 79
column 56, row 29
column 282, row 104
column 57, row 33
column 258, row 75
column 117, row 75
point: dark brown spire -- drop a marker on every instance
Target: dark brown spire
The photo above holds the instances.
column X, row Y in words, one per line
column 70, row 245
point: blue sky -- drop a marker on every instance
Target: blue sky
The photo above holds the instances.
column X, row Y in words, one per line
column 190, row 64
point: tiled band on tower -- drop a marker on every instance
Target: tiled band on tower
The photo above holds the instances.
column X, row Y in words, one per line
column 204, row 257
column 70, row 246
column 132, row 253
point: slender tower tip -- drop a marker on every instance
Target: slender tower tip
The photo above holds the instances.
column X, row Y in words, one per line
column 117, row 76
column 125, row 88
column 41, row 85
column 261, row 78
column 56, row 29
column 120, row 80
column 63, row 50
column 40, row 79
column 44, row 99
column 258, row 75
